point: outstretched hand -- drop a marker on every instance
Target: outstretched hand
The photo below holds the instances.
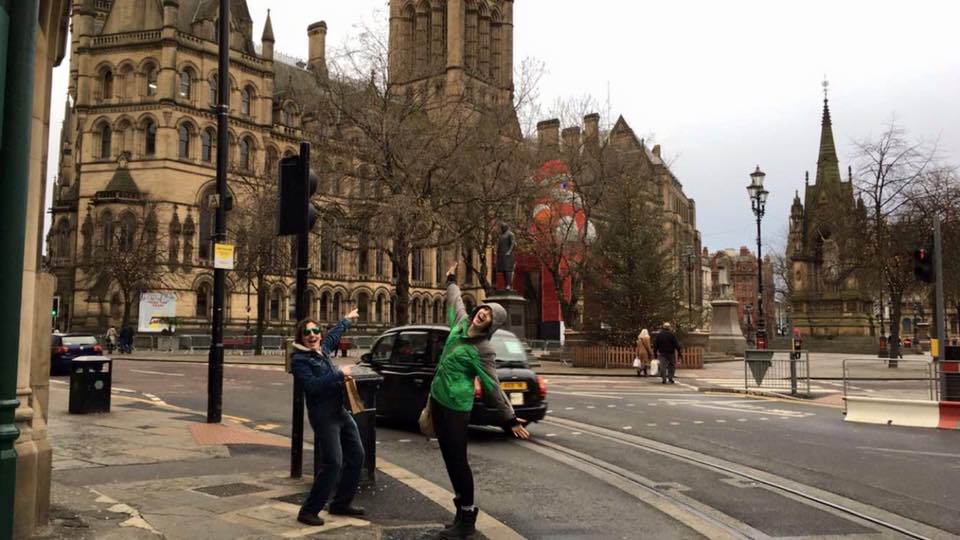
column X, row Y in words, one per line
column 353, row 315
column 519, row 431
column 452, row 271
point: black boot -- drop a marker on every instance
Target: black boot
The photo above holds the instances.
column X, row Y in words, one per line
column 306, row 518
column 456, row 519
column 465, row 528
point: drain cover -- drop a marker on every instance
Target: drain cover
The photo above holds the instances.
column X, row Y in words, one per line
column 294, row 498
column 231, row 490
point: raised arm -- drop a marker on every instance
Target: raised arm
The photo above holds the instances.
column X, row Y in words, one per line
column 456, row 311
column 332, row 340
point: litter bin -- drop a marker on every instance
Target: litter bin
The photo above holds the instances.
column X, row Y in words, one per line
column 950, row 374
column 368, row 382
column 90, row 381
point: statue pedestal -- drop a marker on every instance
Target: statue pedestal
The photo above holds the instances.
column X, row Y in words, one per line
column 725, row 334
column 516, row 307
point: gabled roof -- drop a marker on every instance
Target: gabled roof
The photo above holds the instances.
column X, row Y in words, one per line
column 122, row 182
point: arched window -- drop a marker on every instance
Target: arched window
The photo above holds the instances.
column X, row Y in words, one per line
column 311, row 303
column 328, row 251
column 423, row 311
column 483, row 36
column 245, row 102
column 423, row 27
column 150, row 138
column 363, row 257
column 496, row 47
column 272, row 161
column 408, row 46
column 292, row 306
column 363, row 307
column 205, row 248
column 414, row 310
column 206, row 145
column 438, row 311
column 245, row 154
column 337, row 307
column 417, row 265
column 183, row 149
column 128, row 231
column 379, row 309
column 106, row 84
column 186, row 82
column 325, row 306
column 128, row 82
column 276, row 298
column 290, row 115
column 379, row 269
column 213, row 91
column 203, row 303
column 107, row 230
column 106, row 141
column 472, row 27
column 151, row 78
column 438, row 270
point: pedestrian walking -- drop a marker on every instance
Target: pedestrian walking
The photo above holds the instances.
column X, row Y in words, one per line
column 126, row 339
column 666, row 347
column 644, row 353
column 467, row 355
column 333, row 426
column 111, row 339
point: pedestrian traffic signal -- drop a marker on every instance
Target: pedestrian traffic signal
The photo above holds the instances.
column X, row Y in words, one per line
column 923, row 265
column 295, row 213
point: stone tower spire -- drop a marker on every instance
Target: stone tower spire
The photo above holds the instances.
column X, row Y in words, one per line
column 828, row 168
column 267, row 40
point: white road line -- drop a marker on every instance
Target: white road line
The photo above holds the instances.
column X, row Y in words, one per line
column 568, row 408
column 698, row 421
column 576, row 433
column 626, row 427
column 651, row 425
column 721, row 421
column 148, row 372
column 674, row 423
column 741, row 419
column 914, row 452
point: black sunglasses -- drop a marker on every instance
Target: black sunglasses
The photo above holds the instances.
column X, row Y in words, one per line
column 314, row 331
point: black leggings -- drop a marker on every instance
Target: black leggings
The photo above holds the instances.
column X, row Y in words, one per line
column 451, row 429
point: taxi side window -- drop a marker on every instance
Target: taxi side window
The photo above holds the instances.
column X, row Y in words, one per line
column 412, row 347
column 382, row 350
column 439, row 339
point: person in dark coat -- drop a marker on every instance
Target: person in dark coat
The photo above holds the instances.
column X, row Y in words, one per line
column 666, row 347
column 126, row 339
column 333, row 426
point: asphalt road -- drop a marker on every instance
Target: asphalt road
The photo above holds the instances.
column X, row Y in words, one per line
column 628, row 458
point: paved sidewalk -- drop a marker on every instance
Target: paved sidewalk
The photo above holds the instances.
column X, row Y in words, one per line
column 156, row 471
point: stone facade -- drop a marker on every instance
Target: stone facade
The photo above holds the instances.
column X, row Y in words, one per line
column 827, row 299
column 139, row 149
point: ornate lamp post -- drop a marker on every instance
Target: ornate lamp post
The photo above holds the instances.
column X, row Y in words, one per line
column 758, row 201
column 689, row 258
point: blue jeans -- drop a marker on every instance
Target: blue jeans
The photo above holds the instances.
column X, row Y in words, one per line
column 341, row 455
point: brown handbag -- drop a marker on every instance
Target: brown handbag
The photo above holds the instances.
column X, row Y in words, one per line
column 426, row 420
column 353, row 396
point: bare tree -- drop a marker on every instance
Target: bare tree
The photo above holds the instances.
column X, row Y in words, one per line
column 888, row 170
column 127, row 255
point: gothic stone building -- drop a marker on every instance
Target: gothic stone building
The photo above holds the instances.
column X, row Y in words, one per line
column 826, row 298
column 139, row 148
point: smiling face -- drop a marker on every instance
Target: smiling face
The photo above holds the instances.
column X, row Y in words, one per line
column 312, row 336
column 482, row 319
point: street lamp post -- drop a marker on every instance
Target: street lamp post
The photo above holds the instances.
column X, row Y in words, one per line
column 689, row 259
column 758, row 201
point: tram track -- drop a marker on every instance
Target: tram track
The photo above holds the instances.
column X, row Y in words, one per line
column 708, row 521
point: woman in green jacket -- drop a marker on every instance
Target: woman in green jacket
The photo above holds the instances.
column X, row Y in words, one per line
column 467, row 355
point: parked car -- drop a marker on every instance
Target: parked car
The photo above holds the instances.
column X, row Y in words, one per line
column 66, row 347
column 406, row 357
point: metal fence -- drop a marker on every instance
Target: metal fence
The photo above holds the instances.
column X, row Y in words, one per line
column 544, row 344
column 877, row 378
column 777, row 370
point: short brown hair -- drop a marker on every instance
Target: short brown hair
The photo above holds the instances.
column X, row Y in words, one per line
column 301, row 326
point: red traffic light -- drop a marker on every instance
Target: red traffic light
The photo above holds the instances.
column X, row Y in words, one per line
column 923, row 265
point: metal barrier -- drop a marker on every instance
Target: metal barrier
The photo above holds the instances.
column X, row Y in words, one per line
column 544, row 344
column 913, row 379
column 948, row 377
column 777, row 370
column 602, row 356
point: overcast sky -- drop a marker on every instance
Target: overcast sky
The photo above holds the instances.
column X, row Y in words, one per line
column 722, row 86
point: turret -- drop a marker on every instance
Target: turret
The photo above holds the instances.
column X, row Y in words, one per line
column 317, row 36
column 171, row 12
column 267, row 39
column 548, row 134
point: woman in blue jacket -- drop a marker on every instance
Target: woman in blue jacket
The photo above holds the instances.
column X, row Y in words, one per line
column 333, row 425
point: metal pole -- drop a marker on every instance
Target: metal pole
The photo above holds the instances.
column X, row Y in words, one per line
column 215, row 364
column 18, row 28
column 303, row 250
column 761, row 323
column 938, row 277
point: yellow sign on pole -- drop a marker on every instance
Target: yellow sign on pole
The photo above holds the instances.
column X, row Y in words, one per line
column 935, row 347
column 223, row 256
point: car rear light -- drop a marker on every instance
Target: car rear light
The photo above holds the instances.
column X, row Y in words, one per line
column 62, row 350
column 542, row 385
column 477, row 389
column 97, row 348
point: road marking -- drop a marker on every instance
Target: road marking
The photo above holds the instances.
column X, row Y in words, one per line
column 611, row 406
column 266, row 427
column 674, row 423
column 740, row 406
column 629, row 404
column 486, row 524
column 590, row 407
column 148, row 372
column 721, row 421
column 576, row 433
column 913, row 452
column 626, row 427
column 741, row 419
column 764, row 418
column 404, row 440
column 651, row 425
column 698, row 421
column 568, row 408
column 551, row 434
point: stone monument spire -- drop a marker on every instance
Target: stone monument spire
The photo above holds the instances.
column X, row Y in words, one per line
column 828, row 169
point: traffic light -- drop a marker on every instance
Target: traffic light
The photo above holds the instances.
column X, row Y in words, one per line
column 56, row 307
column 923, row 265
column 295, row 213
